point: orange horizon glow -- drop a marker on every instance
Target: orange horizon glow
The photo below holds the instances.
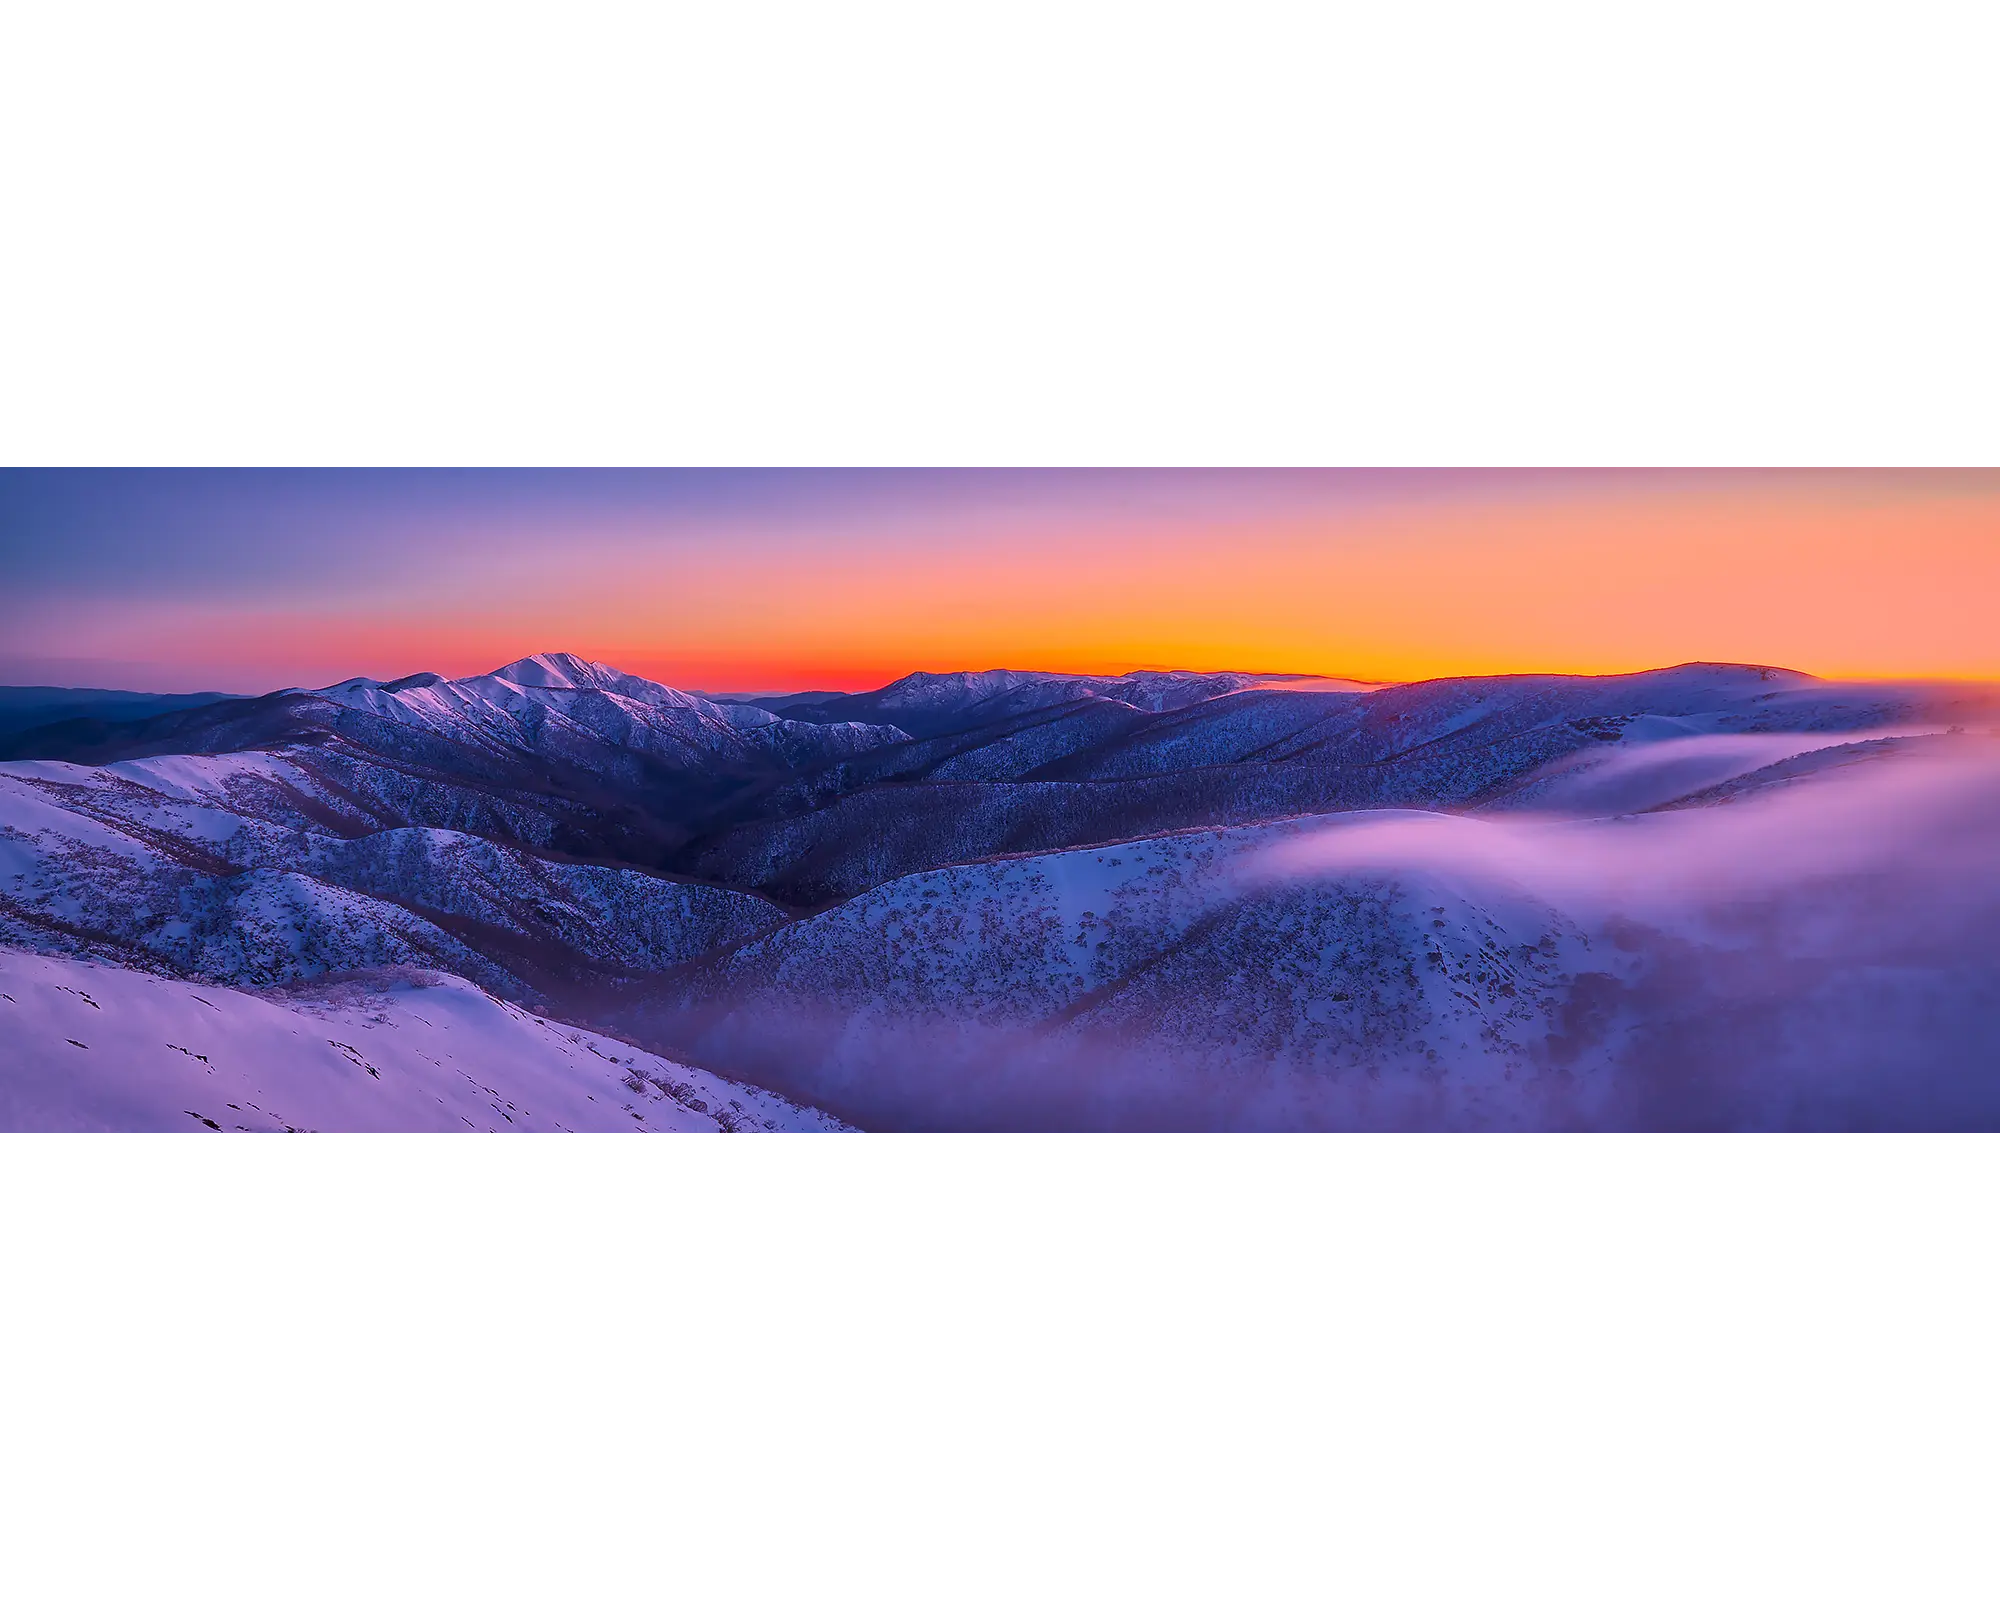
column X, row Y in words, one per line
column 1844, row 576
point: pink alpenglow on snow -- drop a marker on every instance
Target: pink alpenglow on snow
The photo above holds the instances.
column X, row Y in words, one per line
column 94, row 1047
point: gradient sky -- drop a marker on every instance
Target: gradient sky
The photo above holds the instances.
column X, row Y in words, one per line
column 730, row 580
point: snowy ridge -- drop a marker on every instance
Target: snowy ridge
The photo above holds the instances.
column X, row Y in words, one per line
column 1006, row 691
column 217, row 866
column 1104, row 960
column 1816, row 950
column 97, row 1047
column 1092, row 770
column 562, row 702
column 928, row 703
column 1030, row 899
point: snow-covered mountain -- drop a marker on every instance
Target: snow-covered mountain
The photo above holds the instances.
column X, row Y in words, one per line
column 1819, row 950
column 529, row 702
column 1094, row 771
column 90, row 1046
column 928, row 703
column 1076, row 988
column 553, row 753
column 559, row 705
column 246, row 869
column 1000, row 898
column 545, row 709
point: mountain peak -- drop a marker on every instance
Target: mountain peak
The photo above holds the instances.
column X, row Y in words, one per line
column 558, row 669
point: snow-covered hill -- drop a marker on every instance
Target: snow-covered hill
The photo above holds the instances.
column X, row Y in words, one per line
column 90, row 1046
column 547, row 709
column 1152, row 982
column 1033, row 899
column 1814, row 951
column 1096, row 771
column 924, row 704
column 559, row 706
column 561, row 700
column 245, row 869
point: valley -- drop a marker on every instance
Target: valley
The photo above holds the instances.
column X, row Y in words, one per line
column 1009, row 899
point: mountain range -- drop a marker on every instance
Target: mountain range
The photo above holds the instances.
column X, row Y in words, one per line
column 966, row 899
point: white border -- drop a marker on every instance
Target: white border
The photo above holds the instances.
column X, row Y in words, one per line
column 1721, row 234
column 998, row 1365
column 1071, row 233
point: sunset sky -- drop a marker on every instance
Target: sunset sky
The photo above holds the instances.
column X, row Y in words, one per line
column 717, row 580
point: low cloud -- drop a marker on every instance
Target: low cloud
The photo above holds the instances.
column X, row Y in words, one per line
column 1821, row 955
